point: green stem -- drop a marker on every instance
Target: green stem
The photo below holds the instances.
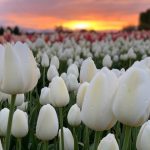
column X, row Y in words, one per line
column 61, row 127
column 75, row 139
column 55, row 143
column 45, row 145
column 12, row 107
column 19, row 144
column 86, row 139
column 44, row 71
column 96, row 140
column 126, row 142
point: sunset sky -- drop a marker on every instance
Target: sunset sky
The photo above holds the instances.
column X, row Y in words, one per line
column 72, row 14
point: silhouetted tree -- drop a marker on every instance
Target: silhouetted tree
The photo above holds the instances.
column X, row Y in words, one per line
column 16, row 30
column 1, row 30
column 144, row 20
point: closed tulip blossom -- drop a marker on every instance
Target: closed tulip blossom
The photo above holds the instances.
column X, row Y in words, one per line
column 107, row 62
column 108, row 143
column 52, row 72
column 132, row 95
column 18, row 69
column 45, row 60
column 55, row 62
column 19, row 124
column 45, row 96
column 68, row 139
column 73, row 69
column 47, row 123
column 59, row 92
column 88, row 70
column 74, row 115
column 96, row 110
column 142, row 142
column 4, row 113
column 81, row 93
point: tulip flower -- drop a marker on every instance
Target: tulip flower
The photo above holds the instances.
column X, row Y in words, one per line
column 52, row 72
column 68, row 139
column 45, row 60
column 81, row 93
column 107, row 62
column 45, row 96
column 55, row 62
column 74, row 118
column 1, row 148
column 23, row 107
column 73, row 69
column 47, row 123
column 18, row 69
column 96, row 110
column 142, row 142
column 108, row 143
column 4, row 114
column 19, row 124
column 88, row 70
column 59, row 92
column 133, row 94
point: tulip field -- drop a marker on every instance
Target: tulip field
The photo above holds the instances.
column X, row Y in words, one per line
column 75, row 91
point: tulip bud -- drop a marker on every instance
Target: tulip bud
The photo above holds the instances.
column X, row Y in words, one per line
column 133, row 94
column 4, row 114
column 73, row 69
column 72, row 82
column 68, row 139
column 108, row 143
column 38, row 73
column 19, row 99
column 88, row 70
column 59, row 92
column 45, row 60
column 1, row 148
column 96, row 110
column 107, row 62
column 81, row 93
column 19, row 124
column 47, row 123
column 55, row 62
column 45, row 96
column 142, row 142
column 23, row 107
column 18, row 69
column 4, row 96
column 52, row 72
column 74, row 118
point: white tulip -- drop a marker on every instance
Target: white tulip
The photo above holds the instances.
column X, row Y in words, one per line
column 23, row 107
column 55, row 62
column 18, row 69
column 88, row 70
column 52, row 72
column 68, row 139
column 96, row 110
column 81, row 93
column 19, row 99
column 108, row 143
column 1, row 148
column 59, row 92
column 73, row 69
column 142, row 142
column 45, row 60
column 107, row 62
column 19, row 124
column 72, row 82
column 4, row 114
column 47, row 123
column 74, row 118
column 133, row 94
column 45, row 96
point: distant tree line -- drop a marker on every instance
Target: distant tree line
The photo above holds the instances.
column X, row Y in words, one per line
column 144, row 20
column 15, row 30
